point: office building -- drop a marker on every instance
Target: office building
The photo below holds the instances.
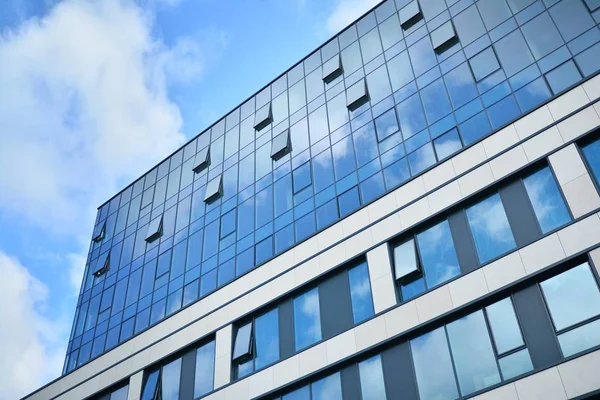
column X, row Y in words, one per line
column 411, row 212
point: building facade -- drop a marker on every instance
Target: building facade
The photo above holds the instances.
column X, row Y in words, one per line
column 412, row 211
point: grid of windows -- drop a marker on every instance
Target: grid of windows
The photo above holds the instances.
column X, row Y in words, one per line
column 510, row 217
column 423, row 105
column 476, row 351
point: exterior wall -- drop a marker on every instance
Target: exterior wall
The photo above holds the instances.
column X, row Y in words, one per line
column 537, row 135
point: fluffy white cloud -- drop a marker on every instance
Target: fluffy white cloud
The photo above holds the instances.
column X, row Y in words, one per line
column 84, row 109
column 31, row 345
column 346, row 12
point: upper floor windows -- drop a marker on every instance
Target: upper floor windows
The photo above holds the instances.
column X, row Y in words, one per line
column 591, row 152
column 307, row 319
column 510, row 217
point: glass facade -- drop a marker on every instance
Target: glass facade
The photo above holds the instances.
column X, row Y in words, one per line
column 222, row 205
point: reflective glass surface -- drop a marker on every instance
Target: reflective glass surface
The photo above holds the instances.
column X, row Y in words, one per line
column 591, row 153
column 438, row 255
column 490, row 228
column 515, row 364
column 548, row 204
column 504, row 325
column 472, row 353
column 171, row 374
column 579, row 339
column 372, row 386
column 307, row 319
column 572, row 296
column 360, row 293
column 432, row 349
column 266, row 332
column 423, row 107
column 328, row 388
column 205, row 367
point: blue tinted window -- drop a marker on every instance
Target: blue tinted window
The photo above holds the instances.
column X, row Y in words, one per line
column 264, row 206
column 533, row 94
column 422, row 56
column 563, row 76
column 461, row 86
column 266, row 337
column 372, row 385
column 349, row 201
column 484, row 63
column 365, row 143
column 572, row 18
column 591, row 153
column 343, row 158
column 301, row 177
column 438, row 255
column 513, row 53
column 447, row 144
column 439, row 382
column 400, row 70
column 490, row 228
column 548, row 204
column 205, row 367
column 472, row 353
column 435, row 101
column 327, row 214
column 360, row 293
column 386, row 124
column 283, row 195
column 504, row 326
column 284, row 239
column 171, row 374
column 299, row 394
column 328, row 388
column 503, row 111
column 421, row 159
column 372, row 187
column 246, row 218
column 493, row 12
column 475, row 128
column 412, row 118
column 307, row 319
column 211, row 240
column 396, row 173
column 542, row 36
column 264, row 250
column 305, row 226
column 322, row 171
column 587, row 60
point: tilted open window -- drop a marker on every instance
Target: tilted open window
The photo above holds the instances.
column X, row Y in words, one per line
column 332, row 68
column 357, row 95
column 154, row 229
column 152, row 386
column 202, row 160
column 281, row 145
column 263, row 117
column 99, row 232
column 214, row 189
column 102, row 264
column 410, row 15
column 242, row 347
column 406, row 262
column 443, row 37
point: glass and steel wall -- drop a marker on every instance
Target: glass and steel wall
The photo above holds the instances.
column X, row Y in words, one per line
column 408, row 85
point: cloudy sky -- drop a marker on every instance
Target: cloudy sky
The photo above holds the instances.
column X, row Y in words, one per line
column 92, row 94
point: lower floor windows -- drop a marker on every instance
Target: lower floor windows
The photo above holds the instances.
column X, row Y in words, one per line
column 307, row 319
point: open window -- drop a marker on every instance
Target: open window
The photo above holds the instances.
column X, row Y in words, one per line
column 154, row 229
column 332, row 69
column 102, row 264
column 263, row 117
column 202, row 160
column 406, row 262
column 152, row 387
column 410, row 15
column 99, row 232
column 443, row 37
column 357, row 95
column 214, row 189
column 281, row 145
column 242, row 347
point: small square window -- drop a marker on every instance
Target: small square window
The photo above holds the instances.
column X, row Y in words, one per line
column 443, row 37
column 484, row 63
column 202, row 160
column 102, row 264
column 154, row 229
column 406, row 264
column 593, row 5
column 357, row 95
column 242, row 347
column 263, row 117
column 332, row 69
column 214, row 189
column 99, row 232
column 281, row 145
column 410, row 15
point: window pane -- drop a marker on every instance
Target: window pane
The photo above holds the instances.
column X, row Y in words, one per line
column 205, row 366
column 438, row 255
column 372, row 385
column 171, row 374
column 307, row 319
column 490, row 228
column 548, row 204
column 300, row 394
column 151, row 385
column 267, row 339
column 473, row 353
column 405, row 259
column 592, row 156
column 242, row 345
column 579, row 339
column 572, row 296
column 360, row 293
column 513, row 53
column 515, row 364
column 120, row 394
column 504, row 326
column 328, row 388
column 439, row 382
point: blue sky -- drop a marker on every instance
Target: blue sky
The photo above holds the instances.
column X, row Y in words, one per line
column 93, row 94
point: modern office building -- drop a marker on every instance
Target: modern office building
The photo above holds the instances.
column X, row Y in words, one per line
column 410, row 212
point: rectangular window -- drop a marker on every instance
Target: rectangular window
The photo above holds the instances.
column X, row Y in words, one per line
column 202, row 160
column 281, row 145
column 102, row 264
column 171, row 376
column 307, row 319
column 406, row 264
column 360, row 293
column 573, row 299
column 264, row 346
column 99, row 232
column 357, row 95
column 154, row 229
column 328, row 388
column 438, row 254
column 205, row 368
column 242, row 346
column 490, row 228
column 372, row 385
column 591, row 152
column 548, row 204
column 214, row 189
column 263, row 117
column 151, row 386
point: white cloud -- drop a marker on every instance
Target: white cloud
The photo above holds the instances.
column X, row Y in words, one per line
column 346, row 12
column 30, row 344
column 84, row 109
